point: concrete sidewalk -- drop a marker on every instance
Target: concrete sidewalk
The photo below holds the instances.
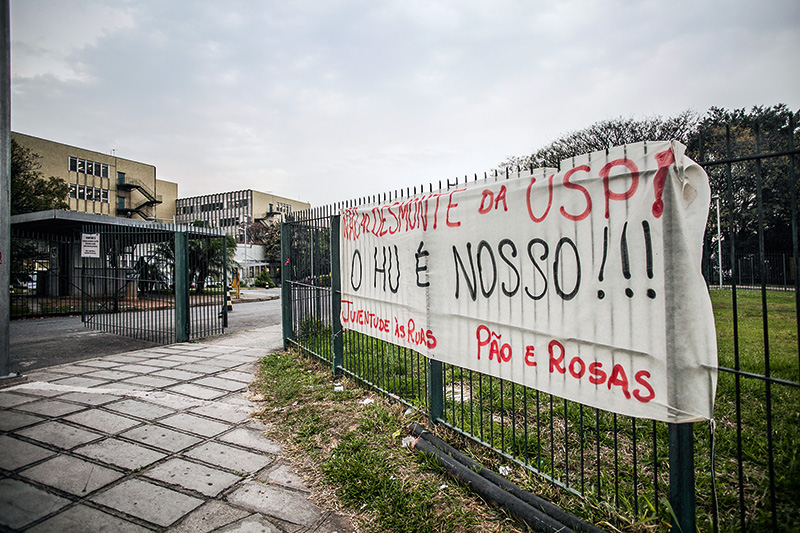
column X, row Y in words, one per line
column 155, row 440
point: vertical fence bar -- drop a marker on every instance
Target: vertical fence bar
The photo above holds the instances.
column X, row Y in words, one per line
column 286, row 288
column 181, row 286
column 435, row 391
column 681, row 476
column 336, row 298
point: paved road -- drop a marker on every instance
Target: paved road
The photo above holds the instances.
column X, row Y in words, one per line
column 43, row 342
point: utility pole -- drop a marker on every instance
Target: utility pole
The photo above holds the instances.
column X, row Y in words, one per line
column 5, row 189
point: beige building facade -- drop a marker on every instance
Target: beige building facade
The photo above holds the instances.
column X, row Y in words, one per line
column 103, row 183
column 228, row 210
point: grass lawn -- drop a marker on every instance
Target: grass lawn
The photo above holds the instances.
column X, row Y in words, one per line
column 613, row 460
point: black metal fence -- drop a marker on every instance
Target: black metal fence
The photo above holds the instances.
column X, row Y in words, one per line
column 739, row 472
column 129, row 288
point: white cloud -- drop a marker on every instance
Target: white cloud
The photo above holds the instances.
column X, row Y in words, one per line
column 324, row 101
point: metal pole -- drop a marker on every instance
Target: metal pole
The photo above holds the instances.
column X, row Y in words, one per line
column 286, row 289
column 719, row 243
column 681, row 477
column 181, row 286
column 5, row 190
column 336, row 293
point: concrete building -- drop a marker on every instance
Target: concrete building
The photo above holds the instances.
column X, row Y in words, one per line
column 233, row 212
column 102, row 183
column 229, row 210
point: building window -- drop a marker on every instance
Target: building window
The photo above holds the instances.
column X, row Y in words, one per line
column 73, row 190
column 92, row 168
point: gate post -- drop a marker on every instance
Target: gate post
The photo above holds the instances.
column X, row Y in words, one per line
column 286, row 289
column 336, row 298
column 181, row 286
column 681, row 476
column 435, row 391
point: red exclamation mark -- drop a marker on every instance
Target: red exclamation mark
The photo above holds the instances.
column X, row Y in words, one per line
column 664, row 160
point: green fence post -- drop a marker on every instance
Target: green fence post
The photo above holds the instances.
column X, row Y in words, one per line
column 224, row 281
column 286, row 289
column 181, row 286
column 435, row 391
column 336, row 298
column 681, row 476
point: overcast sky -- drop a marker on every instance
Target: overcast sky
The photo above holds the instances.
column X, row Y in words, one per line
column 324, row 101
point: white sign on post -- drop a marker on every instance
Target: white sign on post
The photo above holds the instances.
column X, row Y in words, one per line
column 90, row 245
column 583, row 283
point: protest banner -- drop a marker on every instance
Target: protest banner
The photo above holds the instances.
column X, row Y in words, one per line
column 584, row 283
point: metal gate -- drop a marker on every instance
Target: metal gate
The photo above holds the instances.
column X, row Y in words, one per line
column 154, row 283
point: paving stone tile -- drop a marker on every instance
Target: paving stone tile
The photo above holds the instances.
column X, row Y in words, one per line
column 244, row 377
column 229, row 457
column 153, row 382
column 59, row 434
column 196, row 391
column 21, row 504
column 50, row 407
column 253, row 439
column 221, row 363
column 81, row 518
column 9, row 399
column 72, row 475
column 139, row 409
column 103, row 421
column 172, row 400
column 194, row 424
column 275, row 501
column 226, row 412
column 82, row 381
column 121, row 387
column 138, row 368
column 192, row 476
column 69, row 369
column 161, row 363
column 224, row 384
column 16, row 453
column 42, row 376
column 283, row 474
column 203, row 368
column 98, row 363
column 146, row 501
column 254, row 524
column 241, row 357
column 209, row 517
column 111, row 375
column 119, row 358
column 11, row 420
column 120, row 453
column 161, row 437
column 180, row 375
column 89, row 398
column 183, row 358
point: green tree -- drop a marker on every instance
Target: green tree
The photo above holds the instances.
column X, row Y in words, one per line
column 30, row 190
column 607, row 134
column 729, row 134
column 205, row 256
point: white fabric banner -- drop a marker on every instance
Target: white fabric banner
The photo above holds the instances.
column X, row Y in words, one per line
column 584, row 283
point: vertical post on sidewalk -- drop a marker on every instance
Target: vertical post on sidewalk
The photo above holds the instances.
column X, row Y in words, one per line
column 286, row 289
column 5, row 188
column 435, row 391
column 181, row 286
column 336, row 298
column 224, row 281
column 681, row 476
